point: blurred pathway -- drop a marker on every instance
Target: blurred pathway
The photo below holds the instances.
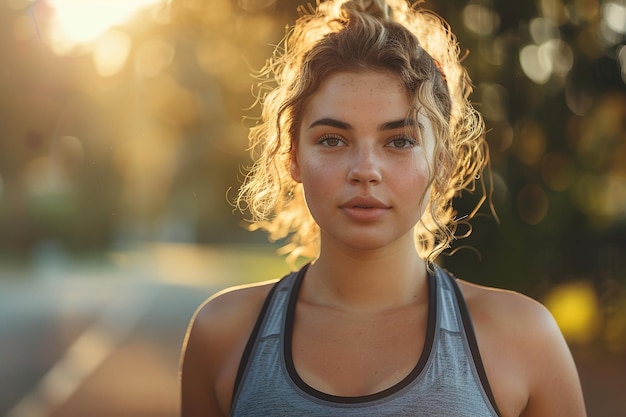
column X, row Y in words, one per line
column 97, row 346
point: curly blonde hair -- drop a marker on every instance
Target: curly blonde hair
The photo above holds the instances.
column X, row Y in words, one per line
column 342, row 35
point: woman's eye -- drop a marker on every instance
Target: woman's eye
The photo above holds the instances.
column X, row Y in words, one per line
column 331, row 141
column 402, row 143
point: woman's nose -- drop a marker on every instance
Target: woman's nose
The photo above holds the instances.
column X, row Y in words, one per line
column 365, row 167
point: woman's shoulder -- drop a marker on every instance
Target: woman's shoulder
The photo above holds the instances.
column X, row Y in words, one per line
column 231, row 309
column 214, row 343
column 506, row 308
column 517, row 335
column 511, row 318
column 221, row 325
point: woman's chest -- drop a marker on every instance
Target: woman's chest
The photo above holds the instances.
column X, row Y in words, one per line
column 354, row 355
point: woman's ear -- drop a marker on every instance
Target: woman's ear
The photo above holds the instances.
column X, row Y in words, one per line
column 294, row 166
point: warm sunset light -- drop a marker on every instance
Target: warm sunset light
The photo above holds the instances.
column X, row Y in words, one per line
column 77, row 22
column 124, row 142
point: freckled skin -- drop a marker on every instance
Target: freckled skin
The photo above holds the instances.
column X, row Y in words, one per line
column 367, row 164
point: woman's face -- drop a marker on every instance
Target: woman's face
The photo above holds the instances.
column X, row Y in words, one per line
column 363, row 165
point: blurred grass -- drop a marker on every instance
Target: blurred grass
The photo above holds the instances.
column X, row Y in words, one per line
column 190, row 264
column 174, row 263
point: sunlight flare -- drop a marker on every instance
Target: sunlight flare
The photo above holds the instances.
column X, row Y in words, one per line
column 80, row 22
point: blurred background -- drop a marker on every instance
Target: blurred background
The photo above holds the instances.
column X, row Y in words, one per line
column 123, row 141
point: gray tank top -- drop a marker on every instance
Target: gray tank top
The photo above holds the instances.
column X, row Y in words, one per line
column 448, row 380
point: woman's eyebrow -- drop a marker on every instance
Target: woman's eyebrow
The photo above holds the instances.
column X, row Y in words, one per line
column 327, row 121
column 397, row 124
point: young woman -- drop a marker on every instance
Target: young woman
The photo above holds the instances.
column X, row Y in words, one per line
column 365, row 138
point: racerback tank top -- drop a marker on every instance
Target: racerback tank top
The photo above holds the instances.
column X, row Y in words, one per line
column 448, row 380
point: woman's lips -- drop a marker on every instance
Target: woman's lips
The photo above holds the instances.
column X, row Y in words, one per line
column 364, row 208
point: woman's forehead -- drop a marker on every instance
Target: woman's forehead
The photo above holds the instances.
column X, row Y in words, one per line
column 355, row 94
column 346, row 90
column 373, row 81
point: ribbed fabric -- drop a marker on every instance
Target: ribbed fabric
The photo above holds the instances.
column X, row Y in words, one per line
column 448, row 380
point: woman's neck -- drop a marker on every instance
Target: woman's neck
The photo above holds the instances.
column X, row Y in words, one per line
column 366, row 281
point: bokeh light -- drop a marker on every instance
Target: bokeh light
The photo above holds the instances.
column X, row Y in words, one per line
column 111, row 53
column 77, row 21
column 154, row 56
column 576, row 310
column 535, row 65
column 540, row 62
column 553, row 10
column 614, row 14
column 543, row 30
column 480, row 19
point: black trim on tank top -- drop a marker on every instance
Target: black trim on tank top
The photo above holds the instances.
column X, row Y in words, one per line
column 473, row 344
column 245, row 357
column 417, row 370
